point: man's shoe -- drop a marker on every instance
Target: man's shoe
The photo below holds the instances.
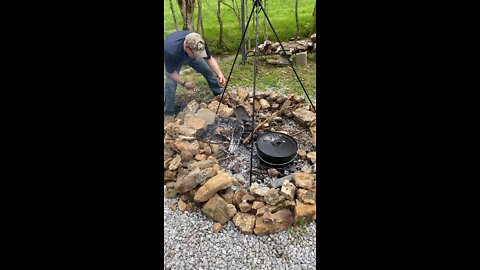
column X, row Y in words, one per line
column 217, row 93
column 168, row 114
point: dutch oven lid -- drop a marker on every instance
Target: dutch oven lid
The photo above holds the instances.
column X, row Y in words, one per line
column 277, row 145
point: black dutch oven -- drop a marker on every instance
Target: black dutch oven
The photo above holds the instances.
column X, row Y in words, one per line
column 276, row 149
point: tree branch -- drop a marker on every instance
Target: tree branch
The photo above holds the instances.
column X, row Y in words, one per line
column 227, row 5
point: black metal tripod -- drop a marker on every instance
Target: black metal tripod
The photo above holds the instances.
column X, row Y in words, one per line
column 257, row 4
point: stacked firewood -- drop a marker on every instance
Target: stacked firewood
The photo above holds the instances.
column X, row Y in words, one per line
column 291, row 47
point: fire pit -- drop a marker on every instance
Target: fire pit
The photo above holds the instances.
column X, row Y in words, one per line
column 207, row 166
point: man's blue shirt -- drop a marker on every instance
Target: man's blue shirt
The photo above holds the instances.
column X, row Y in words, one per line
column 174, row 55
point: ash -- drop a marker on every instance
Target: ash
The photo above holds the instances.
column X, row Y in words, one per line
column 300, row 134
column 210, row 134
column 238, row 163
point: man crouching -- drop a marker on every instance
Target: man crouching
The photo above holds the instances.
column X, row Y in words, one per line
column 188, row 48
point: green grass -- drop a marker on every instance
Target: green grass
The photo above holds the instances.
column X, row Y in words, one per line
column 280, row 12
column 280, row 79
column 299, row 228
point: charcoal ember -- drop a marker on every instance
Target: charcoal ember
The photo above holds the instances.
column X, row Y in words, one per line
column 235, row 168
column 260, row 177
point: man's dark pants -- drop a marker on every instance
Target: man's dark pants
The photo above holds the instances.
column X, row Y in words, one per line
column 171, row 86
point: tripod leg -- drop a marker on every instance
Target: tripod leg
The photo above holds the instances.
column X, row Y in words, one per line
column 238, row 50
column 255, row 70
column 264, row 13
column 235, row 60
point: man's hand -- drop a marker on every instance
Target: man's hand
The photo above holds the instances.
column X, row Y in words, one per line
column 221, row 80
column 190, row 85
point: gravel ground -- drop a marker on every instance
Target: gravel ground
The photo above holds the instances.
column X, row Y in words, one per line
column 189, row 243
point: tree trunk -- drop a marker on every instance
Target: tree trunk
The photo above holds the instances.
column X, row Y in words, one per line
column 187, row 8
column 236, row 11
column 247, row 34
column 314, row 28
column 296, row 18
column 254, row 29
column 220, row 23
column 173, row 14
column 265, row 34
column 200, row 20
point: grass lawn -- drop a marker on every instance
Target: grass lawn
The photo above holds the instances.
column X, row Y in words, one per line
column 280, row 79
column 280, row 12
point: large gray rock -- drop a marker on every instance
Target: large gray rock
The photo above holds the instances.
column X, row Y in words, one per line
column 245, row 207
column 206, row 115
column 303, row 180
column 200, row 164
column 306, row 196
column 228, row 195
column 187, row 150
column 212, row 186
column 216, row 209
column 288, row 190
column 187, row 182
column 205, row 174
column 264, row 104
column 279, row 221
column 279, row 182
column 303, row 116
column 305, row 211
column 170, row 175
column 175, row 163
column 256, row 189
column 192, row 107
column 242, row 93
column 312, row 156
column 224, row 110
column 273, row 197
column 195, row 123
column 244, row 222
column 238, row 196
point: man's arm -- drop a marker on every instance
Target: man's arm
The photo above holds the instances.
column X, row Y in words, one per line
column 176, row 77
column 213, row 64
